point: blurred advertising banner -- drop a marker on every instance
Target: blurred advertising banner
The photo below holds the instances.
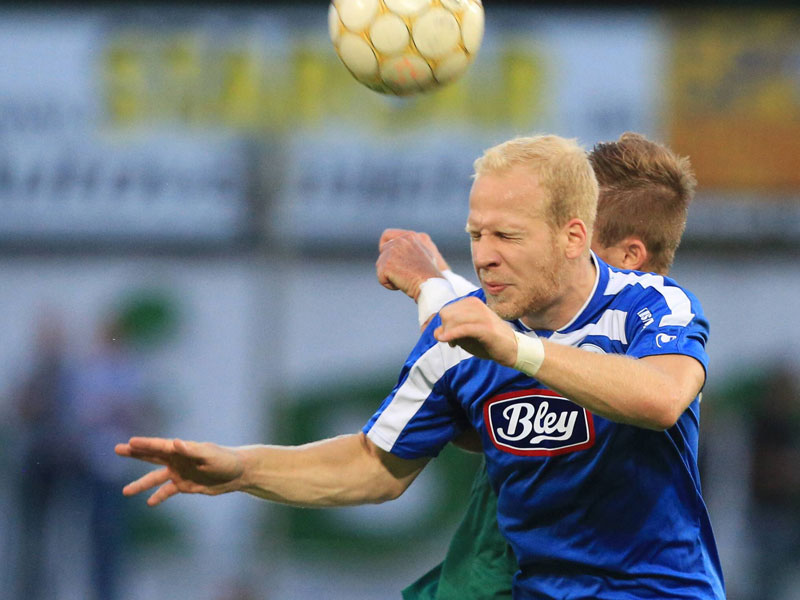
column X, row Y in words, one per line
column 735, row 98
column 343, row 162
column 167, row 188
column 274, row 72
column 186, row 123
column 68, row 175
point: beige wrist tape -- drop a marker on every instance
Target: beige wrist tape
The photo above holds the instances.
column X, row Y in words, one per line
column 433, row 295
column 530, row 354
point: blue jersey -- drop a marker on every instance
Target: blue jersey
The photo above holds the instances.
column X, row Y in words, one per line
column 593, row 509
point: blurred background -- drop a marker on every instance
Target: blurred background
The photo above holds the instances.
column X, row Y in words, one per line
column 190, row 204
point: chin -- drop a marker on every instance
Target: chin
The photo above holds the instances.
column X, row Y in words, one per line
column 504, row 310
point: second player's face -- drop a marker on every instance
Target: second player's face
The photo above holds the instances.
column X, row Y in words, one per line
column 515, row 253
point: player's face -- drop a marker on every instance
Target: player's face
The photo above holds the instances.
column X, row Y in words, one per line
column 515, row 252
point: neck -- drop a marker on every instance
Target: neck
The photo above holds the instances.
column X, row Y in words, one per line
column 577, row 285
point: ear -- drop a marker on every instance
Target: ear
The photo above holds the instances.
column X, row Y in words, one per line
column 634, row 254
column 575, row 237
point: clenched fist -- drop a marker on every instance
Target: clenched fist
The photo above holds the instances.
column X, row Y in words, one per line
column 472, row 325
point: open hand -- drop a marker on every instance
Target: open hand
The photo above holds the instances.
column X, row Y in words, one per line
column 187, row 467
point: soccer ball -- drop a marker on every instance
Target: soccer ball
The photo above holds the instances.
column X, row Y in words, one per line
column 402, row 47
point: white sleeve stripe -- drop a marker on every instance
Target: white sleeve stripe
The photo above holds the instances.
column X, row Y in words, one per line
column 379, row 440
column 611, row 325
column 678, row 302
column 680, row 305
column 411, row 395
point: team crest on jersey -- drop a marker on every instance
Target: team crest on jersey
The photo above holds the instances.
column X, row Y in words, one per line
column 537, row 422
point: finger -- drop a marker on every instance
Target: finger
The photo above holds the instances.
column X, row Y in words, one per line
column 160, row 450
column 122, row 449
column 151, row 445
column 145, row 482
column 391, row 234
column 128, row 452
column 193, row 450
column 166, row 491
column 149, row 458
column 384, row 280
column 455, row 333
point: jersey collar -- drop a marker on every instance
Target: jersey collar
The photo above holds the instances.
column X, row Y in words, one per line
column 587, row 310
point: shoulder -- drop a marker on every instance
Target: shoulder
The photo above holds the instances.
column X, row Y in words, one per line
column 652, row 296
column 661, row 316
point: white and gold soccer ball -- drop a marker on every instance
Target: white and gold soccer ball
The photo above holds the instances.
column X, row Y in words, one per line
column 402, row 47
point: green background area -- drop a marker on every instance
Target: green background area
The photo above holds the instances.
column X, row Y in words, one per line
column 307, row 417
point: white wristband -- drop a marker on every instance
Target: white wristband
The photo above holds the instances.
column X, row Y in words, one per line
column 434, row 293
column 530, row 354
column 461, row 286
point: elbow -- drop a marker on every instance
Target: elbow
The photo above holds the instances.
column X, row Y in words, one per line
column 662, row 423
column 391, row 491
column 664, row 413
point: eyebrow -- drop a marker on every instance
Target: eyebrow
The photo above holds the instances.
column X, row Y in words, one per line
column 510, row 230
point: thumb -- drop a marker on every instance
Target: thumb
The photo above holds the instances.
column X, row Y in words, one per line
column 442, row 335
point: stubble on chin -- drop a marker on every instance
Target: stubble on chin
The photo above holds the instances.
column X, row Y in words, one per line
column 534, row 300
column 506, row 310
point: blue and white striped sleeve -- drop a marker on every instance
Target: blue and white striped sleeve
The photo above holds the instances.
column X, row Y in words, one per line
column 668, row 320
column 420, row 416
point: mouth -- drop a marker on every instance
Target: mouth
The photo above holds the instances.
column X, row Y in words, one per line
column 493, row 288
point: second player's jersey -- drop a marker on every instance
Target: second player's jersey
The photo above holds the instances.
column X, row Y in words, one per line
column 592, row 508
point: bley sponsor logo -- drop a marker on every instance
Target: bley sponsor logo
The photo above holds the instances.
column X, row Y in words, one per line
column 538, row 423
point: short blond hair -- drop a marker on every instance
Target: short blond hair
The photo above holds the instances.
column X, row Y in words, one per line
column 563, row 169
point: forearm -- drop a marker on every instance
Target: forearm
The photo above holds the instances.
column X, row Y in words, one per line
column 341, row 471
column 616, row 387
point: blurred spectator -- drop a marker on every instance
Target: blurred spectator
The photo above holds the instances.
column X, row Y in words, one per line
column 73, row 410
column 49, row 455
column 775, row 480
column 110, row 403
column 752, row 463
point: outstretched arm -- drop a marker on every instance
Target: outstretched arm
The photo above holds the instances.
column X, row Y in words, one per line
column 341, row 471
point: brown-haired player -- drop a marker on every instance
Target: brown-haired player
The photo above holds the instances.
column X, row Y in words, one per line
column 645, row 192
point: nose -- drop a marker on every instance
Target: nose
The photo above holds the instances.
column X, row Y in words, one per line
column 484, row 254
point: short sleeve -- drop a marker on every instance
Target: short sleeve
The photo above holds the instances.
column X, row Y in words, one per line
column 668, row 320
column 419, row 417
